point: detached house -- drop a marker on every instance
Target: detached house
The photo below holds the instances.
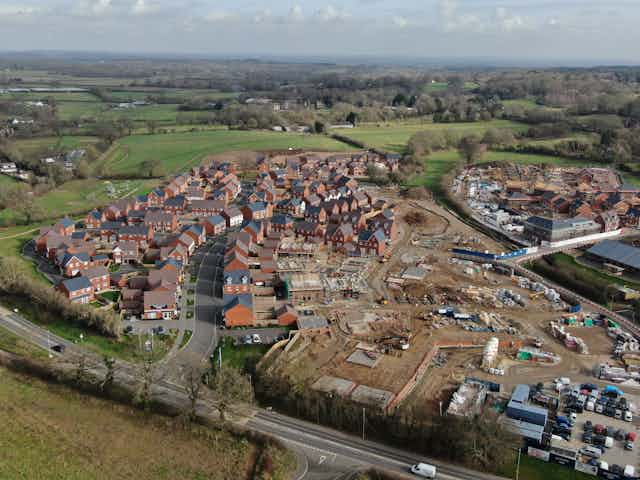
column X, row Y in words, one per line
column 159, row 305
column 141, row 234
column 73, row 263
column 94, row 219
column 338, row 235
column 99, row 278
column 257, row 211
column 233, row 216
column 238, row 310
column 371, row 243
column 215, row 225
column 126, row 252
column 66, row 227
column 77, row 290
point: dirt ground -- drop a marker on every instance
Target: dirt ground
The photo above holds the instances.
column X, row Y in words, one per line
column 447, row 282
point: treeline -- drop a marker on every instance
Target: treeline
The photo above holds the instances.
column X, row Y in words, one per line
column 15, row 284
column 478, row 442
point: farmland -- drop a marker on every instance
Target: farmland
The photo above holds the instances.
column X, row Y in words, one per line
column 78, row 196
column 43, row 424
column 178, row 151
column 394, row 136
column 32, row 147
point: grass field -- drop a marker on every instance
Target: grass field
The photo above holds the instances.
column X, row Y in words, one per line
column 51, row 432
column 440, row 86
column 79, row 196
column 550, row 142
column 179, row 151
column 534, row 469
column 39, row 145
column 133, row 94
column 7, row 180
column 439, row 164
column 57, row 96
column 394, row 136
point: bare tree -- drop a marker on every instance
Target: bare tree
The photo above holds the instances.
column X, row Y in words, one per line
column 149, row 376
column 110, row 365
column 230, row 386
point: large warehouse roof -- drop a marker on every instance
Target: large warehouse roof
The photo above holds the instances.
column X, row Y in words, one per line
column 617, row 252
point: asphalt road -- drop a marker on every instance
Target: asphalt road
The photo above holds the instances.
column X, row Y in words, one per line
column 207, row 304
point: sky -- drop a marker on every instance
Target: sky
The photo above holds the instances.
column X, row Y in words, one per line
column 571, row 31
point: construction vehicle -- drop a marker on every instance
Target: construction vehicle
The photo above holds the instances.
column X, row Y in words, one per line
column 533, row 296
column 383, row 301
column 537, row 342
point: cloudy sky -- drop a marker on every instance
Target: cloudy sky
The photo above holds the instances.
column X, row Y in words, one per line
column 574, row 30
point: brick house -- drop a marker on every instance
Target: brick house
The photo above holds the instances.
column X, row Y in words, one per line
column 315, row 215
column 159, row 305
column 207, row 207
column 77, row 290
column 141, row 234
column 371, row 243
column 215, row 225
column 126, row 252
column 233, row 216
column 338, row 235
column 94, row 219
column 281, row 223
column 73, row 263
column 236, row 282
column 66, row 227
column 257, row 211
column 176, row 205
column 238, row 310
column 109, row 231
column 156, row 197
column 287, row 315
column 99, row 278
column 161, row 221
column 309, row 231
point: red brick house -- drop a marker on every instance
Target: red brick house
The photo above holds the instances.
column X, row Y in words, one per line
column 161, row 221
column 207, row 207
column 99, row 278
column 141, row 234
column 372, row 243
column 215, row 225
column 338, row 235
column 94, row 219
column 287, row 315
column 159, row 305
column 77, row 290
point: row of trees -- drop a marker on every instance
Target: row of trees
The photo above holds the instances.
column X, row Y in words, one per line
column 479, row 442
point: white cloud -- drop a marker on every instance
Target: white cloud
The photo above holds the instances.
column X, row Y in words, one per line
column 219, row 16
column 296, row 14
column 454, row 20
column 17, row 10
column 143, row 7
column 95, row 8
column 508, row 21
column 329, row 13
column 400, row 21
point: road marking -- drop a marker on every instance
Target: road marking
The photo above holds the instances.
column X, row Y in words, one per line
column 321, row 459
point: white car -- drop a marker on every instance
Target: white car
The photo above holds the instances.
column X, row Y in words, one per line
column 256, row 338
column 424, row 470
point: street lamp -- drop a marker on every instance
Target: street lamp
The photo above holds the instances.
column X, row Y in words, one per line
column 518, row 463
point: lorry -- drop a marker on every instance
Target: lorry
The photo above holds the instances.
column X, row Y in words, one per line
column 424, row 470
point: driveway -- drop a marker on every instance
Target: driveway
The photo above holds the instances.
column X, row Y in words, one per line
column 51, row 272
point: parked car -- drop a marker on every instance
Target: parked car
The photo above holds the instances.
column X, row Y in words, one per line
column 424, row 470
column 591, row 451
column 248, row 339
column 58, row 348
column 256, row 338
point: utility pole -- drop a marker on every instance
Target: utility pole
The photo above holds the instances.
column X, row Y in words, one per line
column 220, row 358
column 364, row 419
column 518, row 464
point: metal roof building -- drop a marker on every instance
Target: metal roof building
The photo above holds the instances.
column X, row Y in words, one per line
column 617, row 253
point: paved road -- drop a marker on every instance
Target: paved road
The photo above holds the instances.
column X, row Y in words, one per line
column 207, row 305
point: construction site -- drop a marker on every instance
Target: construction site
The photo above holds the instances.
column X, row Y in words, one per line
column 425, row 319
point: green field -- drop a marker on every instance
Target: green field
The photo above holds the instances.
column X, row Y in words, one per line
column 440, row 86
column 394, row 136
column 57, row 96
column 179, row 151
column 79, row 196
column 142, row 93
column 439, row 164
column 51, row 432
column 40, row 145
column 582, row 137
column 7, row 180
column 80, row 110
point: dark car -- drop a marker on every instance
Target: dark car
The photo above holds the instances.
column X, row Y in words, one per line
column 588, row 386
column 58, row 348
column 620, row 434
column 617, row 469
column 588, row 426
column 587, row 437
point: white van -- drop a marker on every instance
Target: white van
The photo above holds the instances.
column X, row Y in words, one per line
column 629, row 471
column 590, row 451
column 424, row 470
column 604, row 465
